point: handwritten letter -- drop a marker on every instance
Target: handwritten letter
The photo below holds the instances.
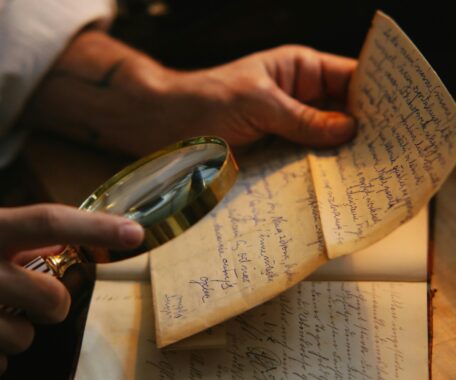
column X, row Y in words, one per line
column 262, row 240
column 405, row 148
column 271, row 232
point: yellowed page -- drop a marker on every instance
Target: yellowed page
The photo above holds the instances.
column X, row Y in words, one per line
column 404, row 150
column 136, row 269
column 316, row 330
column 400, row 256
column 261, row 240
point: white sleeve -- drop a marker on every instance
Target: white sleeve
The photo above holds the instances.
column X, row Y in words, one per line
column 32, row 34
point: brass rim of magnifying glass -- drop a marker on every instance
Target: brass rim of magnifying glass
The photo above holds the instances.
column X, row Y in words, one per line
column 192, row 212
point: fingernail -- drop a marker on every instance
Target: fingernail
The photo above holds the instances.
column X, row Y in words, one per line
column 131, row 234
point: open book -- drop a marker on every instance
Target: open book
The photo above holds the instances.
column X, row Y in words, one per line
column 359, row 316
column 291, row 212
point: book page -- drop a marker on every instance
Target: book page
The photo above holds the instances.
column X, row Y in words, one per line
column 133, row 269
column 264, row 238
column 400, row 256
column 137, row 269
column 387, row 260
column 316, row 330
column 404, row 150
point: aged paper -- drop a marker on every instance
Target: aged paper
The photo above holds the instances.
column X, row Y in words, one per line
column 316, row 330
column 405, row 148
column 400, row 256
column 133, row 269
column 268, row 234
column 137, row 269
column 264, row 238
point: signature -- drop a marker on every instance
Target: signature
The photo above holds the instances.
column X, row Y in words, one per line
column 203, row 282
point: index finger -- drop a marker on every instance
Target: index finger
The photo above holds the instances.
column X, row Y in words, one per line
column 43, row 225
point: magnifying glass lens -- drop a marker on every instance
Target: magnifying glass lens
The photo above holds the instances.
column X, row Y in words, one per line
column 166, row 192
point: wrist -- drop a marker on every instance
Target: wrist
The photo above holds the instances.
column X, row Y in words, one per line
column 102, row 92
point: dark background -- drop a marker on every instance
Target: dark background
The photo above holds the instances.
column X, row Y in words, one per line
column 201, row 33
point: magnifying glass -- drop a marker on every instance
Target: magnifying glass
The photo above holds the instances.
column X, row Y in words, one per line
column 166, row 192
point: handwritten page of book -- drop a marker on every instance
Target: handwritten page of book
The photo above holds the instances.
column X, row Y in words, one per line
column 405, row 148
column 316, row 330
column 264, row 238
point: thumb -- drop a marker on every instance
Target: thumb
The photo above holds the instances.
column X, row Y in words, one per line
column 312, row 127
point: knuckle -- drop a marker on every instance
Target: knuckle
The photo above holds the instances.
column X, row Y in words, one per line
column 295, row 50
column 265, row 84
column 256, row 87
column 48, row 217
column 290, row 47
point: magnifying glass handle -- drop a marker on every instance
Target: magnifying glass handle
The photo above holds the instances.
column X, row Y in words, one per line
column 53, row 265
column 39, row 264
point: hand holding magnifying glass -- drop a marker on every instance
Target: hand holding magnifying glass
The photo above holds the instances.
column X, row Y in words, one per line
column 165, row 193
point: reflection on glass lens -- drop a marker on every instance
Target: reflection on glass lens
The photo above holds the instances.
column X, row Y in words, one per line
column 156, row 207
column 166, row 193
column 159, row 188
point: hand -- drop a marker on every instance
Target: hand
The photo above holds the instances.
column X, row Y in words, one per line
column 106, row 93
column 271, row 92
column 42, row 297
